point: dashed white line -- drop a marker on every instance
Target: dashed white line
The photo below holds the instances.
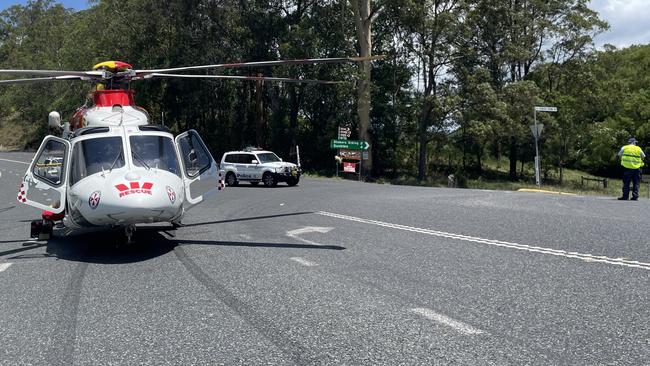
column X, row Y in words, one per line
column 498, row 243
column 447, row 321
column 304, row 262
column 4, row 266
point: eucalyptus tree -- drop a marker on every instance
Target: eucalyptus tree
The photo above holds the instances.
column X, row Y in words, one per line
column 432, row 35
column 515, row 36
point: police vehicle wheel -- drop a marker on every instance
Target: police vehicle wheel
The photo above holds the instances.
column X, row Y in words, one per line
column 292, row 181
column 269, row 180
column 255, row 183
column 231, row 180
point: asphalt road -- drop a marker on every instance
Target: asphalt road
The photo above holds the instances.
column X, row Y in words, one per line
column 336, row 272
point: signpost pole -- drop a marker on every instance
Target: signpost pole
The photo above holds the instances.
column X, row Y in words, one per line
column 537, row 131
column 537, row 177
column 338, row 153
column 360, row 171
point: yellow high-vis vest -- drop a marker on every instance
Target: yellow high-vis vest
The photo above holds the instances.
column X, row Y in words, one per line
column 631, row 157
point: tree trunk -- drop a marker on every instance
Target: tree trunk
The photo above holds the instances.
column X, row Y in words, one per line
column 513, row 160
column 422, row 140
column 293, row 114
column 363, row 20
column 422, row 157
column 259, row 114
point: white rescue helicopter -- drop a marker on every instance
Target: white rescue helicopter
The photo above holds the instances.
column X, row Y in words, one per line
column 111, row 168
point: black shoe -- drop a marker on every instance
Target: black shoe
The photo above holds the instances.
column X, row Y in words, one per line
column 635, row 198
column 622, row 198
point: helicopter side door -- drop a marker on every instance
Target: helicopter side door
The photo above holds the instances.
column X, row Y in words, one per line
column 44, row 183
column 201, row 175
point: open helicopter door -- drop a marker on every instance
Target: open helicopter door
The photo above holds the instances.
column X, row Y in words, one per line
column 44, row 183
column 201, row 175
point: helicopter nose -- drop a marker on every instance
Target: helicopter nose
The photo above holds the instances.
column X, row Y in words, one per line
column 141, row 197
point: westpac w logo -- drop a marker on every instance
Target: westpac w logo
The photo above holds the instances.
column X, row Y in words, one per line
column 134, row 188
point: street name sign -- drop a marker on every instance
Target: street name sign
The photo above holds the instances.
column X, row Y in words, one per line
column 349, row 144
column 545, row 109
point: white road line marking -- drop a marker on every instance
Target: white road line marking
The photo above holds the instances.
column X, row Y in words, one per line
column 445, row 320
column 303, row 261
column 4, row 266
column 308, row 229
column 15, row 161
column 498, row 243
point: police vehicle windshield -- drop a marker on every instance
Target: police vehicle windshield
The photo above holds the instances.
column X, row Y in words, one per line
column 267, row 158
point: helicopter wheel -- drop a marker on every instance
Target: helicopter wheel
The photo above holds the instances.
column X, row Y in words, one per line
column 41, row 229
column 128, row 233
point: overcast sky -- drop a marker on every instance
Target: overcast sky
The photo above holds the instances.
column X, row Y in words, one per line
column 628, row 19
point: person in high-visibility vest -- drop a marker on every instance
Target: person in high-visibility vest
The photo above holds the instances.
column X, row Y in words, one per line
column 632, row 161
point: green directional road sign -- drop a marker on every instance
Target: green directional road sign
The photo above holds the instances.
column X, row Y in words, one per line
column 349, row 144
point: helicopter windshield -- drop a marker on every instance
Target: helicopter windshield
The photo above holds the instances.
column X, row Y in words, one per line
column 94, row 156
column 154, row 152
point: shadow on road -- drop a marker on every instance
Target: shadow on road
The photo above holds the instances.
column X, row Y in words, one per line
column 261, row 245
column 26, row 245
column 260, row 186
column 246, row 219
column 106, row 247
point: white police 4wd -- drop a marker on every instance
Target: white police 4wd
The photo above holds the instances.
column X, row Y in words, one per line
column 256, row 166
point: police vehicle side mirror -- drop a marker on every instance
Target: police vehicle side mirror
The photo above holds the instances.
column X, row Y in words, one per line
column 254, row 161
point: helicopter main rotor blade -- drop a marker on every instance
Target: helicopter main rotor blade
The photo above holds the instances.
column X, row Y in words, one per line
column 95, row 74
column 261, row 63
column 237, row 77
column 51, row 78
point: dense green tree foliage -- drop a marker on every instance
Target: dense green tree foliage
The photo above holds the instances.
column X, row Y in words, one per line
column 457, row 87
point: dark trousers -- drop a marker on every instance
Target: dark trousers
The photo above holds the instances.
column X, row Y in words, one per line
column 633, row 175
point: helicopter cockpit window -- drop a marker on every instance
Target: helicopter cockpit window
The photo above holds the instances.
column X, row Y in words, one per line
column 155, row 152
column 49, row 165
column 195, row 157
column 96, row 155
